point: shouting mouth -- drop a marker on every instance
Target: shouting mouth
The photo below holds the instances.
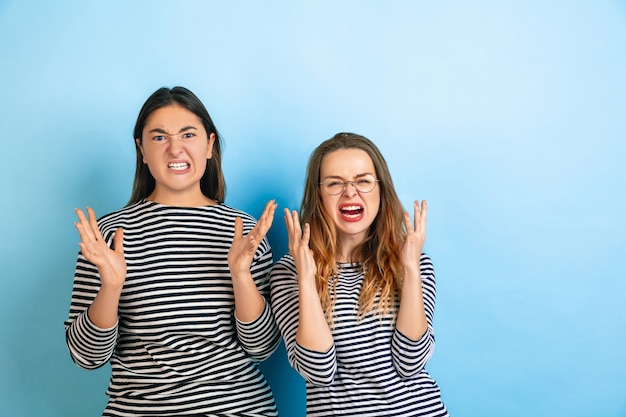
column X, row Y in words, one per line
column 351, row 212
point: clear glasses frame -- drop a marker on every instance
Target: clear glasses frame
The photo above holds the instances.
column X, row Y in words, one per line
column 363, row 184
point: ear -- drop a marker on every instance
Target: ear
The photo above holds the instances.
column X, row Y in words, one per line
column 209, row 153
column 138, row 143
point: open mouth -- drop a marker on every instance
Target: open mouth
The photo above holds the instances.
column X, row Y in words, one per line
column 178, row 166
column 351, row 212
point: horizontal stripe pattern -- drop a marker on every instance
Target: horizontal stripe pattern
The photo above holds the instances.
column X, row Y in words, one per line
column 372, row 369
column 177, row 348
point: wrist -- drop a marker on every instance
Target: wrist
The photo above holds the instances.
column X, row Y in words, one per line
column 241, row 276
column 111, row 289
column 411, row 273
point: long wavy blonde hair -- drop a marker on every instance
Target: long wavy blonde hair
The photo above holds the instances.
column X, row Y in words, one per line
column 378, row 255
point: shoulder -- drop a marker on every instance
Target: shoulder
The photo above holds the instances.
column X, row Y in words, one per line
column 227, row 211
column 285, row 267
column 123, row 216
column 286, row 261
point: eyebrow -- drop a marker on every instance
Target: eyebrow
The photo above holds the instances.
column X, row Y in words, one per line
column 184, row 129
column 341, row 178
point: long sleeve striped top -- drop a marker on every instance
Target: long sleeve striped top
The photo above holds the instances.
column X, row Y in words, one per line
column 177, row 348
column 372, row 369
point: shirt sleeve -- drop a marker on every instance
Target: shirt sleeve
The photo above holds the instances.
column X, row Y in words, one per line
column 260, row 337
column 410, row 356
column 90, row 346
column 317, row 368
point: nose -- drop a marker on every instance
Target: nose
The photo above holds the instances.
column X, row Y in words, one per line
column 175, row 146
column 350, row 188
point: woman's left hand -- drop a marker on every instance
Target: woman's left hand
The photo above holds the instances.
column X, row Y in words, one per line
column 415, row 236
column 243, row 247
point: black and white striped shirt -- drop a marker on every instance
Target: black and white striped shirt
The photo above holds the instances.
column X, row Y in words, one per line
column 177, row 348
column 372, row 369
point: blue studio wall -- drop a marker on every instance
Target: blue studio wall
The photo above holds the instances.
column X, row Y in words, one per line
column 508, row 117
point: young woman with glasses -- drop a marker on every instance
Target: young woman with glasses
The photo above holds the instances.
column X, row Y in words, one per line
column 355, row 296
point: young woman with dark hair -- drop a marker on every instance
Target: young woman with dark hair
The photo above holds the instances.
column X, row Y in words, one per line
column 172, row 290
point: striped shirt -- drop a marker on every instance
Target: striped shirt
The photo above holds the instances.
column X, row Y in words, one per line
column 372, row 369
column 177, row 348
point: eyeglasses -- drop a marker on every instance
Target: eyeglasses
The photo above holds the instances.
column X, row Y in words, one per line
column 363, row 184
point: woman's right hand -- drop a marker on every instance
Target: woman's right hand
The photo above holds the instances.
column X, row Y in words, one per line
column 110, row 262
column 313, row 331
column 299, row 248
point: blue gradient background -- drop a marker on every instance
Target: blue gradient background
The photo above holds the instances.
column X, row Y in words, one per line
column 508, row 117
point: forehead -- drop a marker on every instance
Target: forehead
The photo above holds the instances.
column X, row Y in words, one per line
column 171, row 118
column 347, row 163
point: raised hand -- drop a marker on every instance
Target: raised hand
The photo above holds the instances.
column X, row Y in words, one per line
column 243, row 248
column 299, row 247
column 111, row 263
column 313, row 331
column 415, row 237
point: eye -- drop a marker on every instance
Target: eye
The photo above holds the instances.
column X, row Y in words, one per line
column 334, row 183
column 188, row 135
column 159, row 138
column 365, row 180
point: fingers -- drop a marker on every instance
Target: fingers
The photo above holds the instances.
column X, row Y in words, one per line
column 87, row 226
column 422, row 224
column 260, row 229
column 93, row 220
column 250, row 241
column 80, row 214
column 270, row 208
column 267, row 218
column 420, row 220
column 287, row 218
column 423, row 214
column 298, row 236
column 118, row 240
column 238, row 227
column 306, row 235
column 420, row 210
column 82, row 221
column 293, row 224
column 407, row 221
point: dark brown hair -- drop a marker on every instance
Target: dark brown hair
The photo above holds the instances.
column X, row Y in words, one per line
column 212, row 182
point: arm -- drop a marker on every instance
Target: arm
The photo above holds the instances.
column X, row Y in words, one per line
column 249, row 260
column 111, row 268
column 91, row 329
column 249, row 303
column 411, row 315
column 313, row 331
column 306, row 332
column 317, row 368
column 410, row 355
column 413, row 340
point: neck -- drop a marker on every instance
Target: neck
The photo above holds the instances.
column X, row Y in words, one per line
column 348, row 245
column 195, row 200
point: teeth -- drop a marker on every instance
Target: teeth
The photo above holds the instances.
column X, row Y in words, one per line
column 178, row 166
column 351, row 211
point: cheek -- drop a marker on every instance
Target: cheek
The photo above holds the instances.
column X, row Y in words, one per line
column 329, row 204
column 375, row 202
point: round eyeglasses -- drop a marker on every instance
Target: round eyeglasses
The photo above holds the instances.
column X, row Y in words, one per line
column 363, row 184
